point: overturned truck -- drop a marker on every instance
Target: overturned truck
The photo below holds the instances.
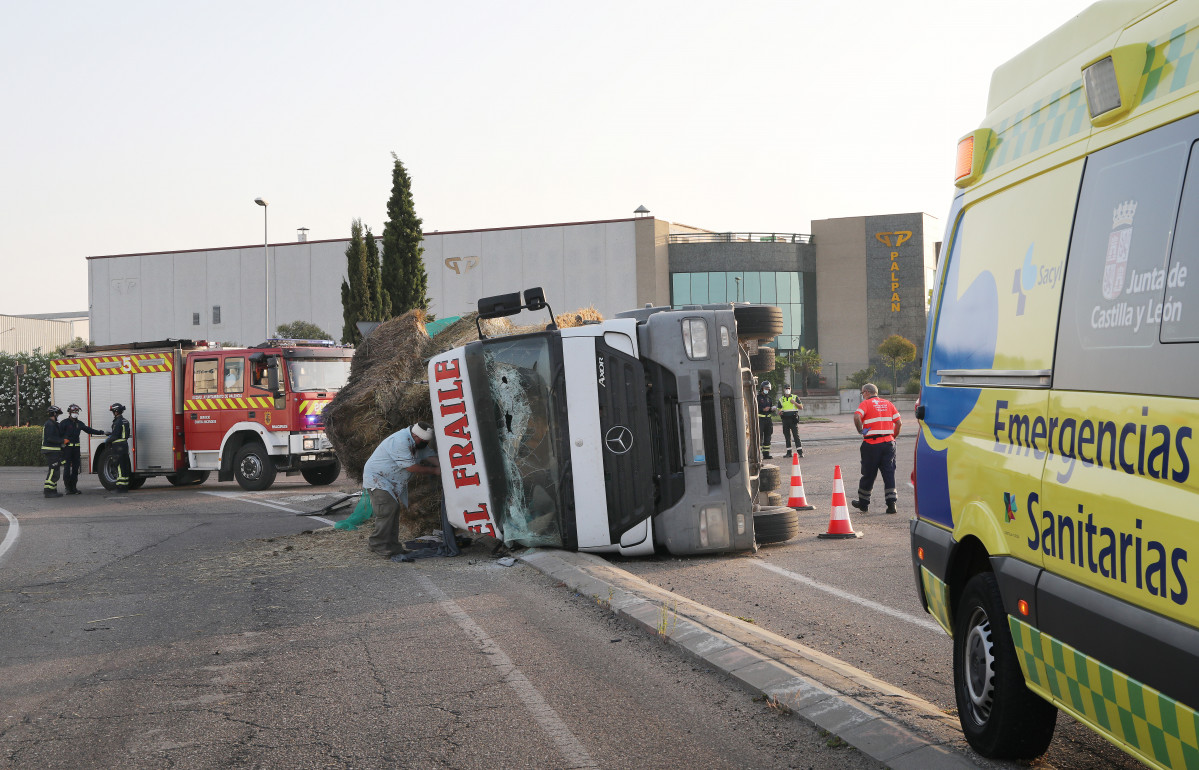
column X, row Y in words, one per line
column 618, row 436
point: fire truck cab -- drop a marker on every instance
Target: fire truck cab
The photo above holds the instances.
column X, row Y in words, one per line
column 245, row 413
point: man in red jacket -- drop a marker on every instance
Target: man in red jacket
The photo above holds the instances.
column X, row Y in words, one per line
column 877, row 420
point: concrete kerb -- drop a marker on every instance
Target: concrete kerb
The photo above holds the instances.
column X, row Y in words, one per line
column 884, row 722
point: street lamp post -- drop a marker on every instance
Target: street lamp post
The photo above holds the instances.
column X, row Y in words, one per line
column 266, row 269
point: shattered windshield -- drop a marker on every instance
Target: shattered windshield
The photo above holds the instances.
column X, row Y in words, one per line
column 318, row 373
column 525, row 388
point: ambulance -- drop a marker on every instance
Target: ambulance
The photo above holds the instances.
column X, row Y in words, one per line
column 623, row 436
column 1057, row 467
column 247, row 414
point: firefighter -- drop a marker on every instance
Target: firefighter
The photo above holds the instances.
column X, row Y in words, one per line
column 71, row 428
column 789, row 407
column 765, row 423
column 118, row 443
column 52, row 443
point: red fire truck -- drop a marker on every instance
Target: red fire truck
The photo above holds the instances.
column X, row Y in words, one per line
column 246, row 413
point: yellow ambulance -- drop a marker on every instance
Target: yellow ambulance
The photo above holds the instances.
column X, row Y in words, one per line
column 1057, row 466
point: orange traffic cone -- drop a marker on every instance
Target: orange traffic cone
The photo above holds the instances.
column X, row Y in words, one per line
column 838, row 523
column 797, row 500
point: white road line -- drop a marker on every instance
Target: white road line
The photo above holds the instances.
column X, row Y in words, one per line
column 235, row 496
column 14, row 531
column 568, row 745
column 931, row 625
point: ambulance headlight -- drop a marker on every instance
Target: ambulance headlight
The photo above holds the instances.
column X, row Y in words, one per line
column 713, row 527
column 695, row 338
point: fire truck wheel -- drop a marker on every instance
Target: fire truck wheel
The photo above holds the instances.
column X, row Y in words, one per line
column 322, row 475
column 137, row 482
column 775, row 525
column 107, row 470
column 253, row 468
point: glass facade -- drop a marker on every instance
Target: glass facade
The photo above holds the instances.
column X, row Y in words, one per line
column 783, row 289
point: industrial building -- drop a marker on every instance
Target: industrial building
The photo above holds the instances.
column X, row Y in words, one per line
column 41, row 331
column 844, row 287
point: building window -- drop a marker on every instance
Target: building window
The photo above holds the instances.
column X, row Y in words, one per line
column 784, row 289
column 216, row 315
column 195, row 319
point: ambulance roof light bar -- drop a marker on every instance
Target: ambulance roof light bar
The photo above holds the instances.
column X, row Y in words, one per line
column 1112, row 83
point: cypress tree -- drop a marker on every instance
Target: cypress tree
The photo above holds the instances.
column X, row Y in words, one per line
column 404, row 276
column 355, row 295
column 380, row 299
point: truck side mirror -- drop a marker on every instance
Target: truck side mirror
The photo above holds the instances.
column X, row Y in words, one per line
column 500, row 305
column 272, row 377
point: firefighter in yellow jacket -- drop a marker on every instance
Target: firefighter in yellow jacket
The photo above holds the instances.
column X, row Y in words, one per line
column 52, row 443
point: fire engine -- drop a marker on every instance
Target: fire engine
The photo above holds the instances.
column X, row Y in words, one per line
column 195, row 408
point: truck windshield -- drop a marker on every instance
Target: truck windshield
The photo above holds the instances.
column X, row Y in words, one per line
column 317, row 374
column 526, row 398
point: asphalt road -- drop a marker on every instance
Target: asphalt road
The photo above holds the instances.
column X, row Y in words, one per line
column 180, row 628
column 854, row 599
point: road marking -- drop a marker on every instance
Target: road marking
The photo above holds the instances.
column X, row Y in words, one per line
column 14, row 531
column 568, row 745
column 236, row 496
column 931, row 625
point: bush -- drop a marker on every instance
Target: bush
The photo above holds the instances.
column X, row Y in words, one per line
column 913, row 386
column 862, row 376
column 21, row 446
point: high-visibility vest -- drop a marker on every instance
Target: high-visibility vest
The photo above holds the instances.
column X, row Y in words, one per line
column 878, row 418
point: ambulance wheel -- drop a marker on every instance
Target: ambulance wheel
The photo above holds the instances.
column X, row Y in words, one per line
column 322, row 475
column 137, row 482
column 768, row 478
column 187, row 478
column 108, row 470
column 762, row 362
column 1000, row 716
column 775, row 525
column 253, row 468
column 758, row 322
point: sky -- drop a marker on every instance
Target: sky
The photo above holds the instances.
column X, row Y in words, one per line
column 136, row 126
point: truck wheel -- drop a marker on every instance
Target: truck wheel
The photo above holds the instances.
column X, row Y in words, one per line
column 322, row 475
column 774, row 499
column 758, row 322
column 253, row 468
column 762, row 362
column 1000, row 716
column 137, row 482
column 775, row 525
column 107, row 469
column 188, row 478
column 768, row 478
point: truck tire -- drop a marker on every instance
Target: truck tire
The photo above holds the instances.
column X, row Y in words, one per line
column 1000, row 716
column 775, row 525
column 188, row 478
column 137, row 482
column 762, row 362
column 253, row 468
column 107, row 470
column 758, row 322
column 774, row 499
column 322, row 475
column 768, row 478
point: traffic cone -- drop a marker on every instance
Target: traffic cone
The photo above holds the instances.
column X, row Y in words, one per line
column 838, row 523
column 797, row 500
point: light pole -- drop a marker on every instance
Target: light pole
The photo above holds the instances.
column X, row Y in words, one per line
column 266, row 269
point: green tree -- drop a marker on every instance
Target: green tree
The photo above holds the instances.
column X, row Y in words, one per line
column 404, row 275
column 897, row 351
column 379, row 298
column 808, row 362
column 34, row 388
column 355, row 293
column 302, row 330
column 862, row 376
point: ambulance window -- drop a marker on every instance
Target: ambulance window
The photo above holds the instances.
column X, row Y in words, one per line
column 204, row 377
column 1116, row 278
column 1180, row 310
column 234, row 374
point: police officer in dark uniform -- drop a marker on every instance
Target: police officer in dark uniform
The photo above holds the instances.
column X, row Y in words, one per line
column 52, row 441
column 765, row 423
column 118, row 443
column 71, row 428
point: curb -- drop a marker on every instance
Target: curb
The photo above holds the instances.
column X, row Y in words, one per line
column 880, row 720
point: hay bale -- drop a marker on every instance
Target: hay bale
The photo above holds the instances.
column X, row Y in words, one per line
column 388, row 390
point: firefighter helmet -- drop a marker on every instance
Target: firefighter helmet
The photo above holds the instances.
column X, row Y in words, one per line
column 74, row 408
column 53, row 411
column 117, row 408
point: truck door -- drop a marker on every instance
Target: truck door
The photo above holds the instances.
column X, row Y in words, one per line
column 201, row 420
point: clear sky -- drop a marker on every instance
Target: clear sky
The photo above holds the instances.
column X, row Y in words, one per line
column 141, row 126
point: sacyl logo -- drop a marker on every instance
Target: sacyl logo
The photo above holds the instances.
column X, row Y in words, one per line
column 465, row 263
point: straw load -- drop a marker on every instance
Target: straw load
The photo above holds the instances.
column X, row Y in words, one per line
column 388, row 390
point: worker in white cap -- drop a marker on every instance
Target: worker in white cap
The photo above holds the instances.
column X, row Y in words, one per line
column 385, row 478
